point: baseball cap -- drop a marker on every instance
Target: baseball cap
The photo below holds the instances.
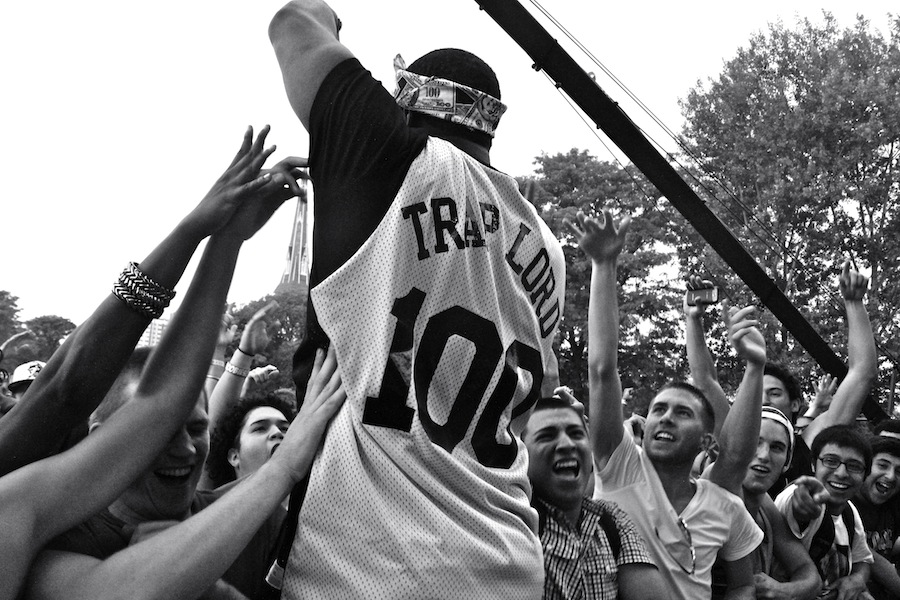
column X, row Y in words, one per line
column 24, row 375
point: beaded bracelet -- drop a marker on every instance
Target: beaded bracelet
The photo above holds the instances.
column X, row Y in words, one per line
column 236, row 370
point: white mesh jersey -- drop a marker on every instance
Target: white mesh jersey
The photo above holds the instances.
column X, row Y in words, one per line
column 443, row 323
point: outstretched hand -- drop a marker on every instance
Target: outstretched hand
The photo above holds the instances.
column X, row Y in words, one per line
column 601, row 239
column 255, row 337
column 744, row 335
column 808, row 498
column 261, row 202
column 325, row 394
column 240, row 178
column 853, row 285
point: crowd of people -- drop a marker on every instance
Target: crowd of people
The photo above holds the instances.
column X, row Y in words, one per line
column 428, row 449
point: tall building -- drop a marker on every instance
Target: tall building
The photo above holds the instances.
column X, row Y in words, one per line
column 296, row 270
column 154, row 332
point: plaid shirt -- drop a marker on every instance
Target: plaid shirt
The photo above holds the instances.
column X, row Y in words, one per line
column 579, row 563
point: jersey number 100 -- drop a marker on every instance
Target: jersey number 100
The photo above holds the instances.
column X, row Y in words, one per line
column 389, row 408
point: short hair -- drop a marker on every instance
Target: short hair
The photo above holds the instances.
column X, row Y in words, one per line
column 845, row 436
column 707, row 414
column 462, row 67
column 885, row 445
column 226, row 434
column 888, row 426
column 550, row 403
column 787, row 378
column 116, row 398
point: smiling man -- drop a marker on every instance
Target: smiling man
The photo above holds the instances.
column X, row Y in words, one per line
column 165, row 494
column 879, row 507
column 685, row 523
column 820, row 514
column 591, row 547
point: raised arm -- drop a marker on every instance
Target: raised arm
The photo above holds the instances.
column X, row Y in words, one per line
column 185, row 559
column 304, row 34
column 740, row 432
column 602, row 240
column 861, row 358
column 82, row 370
column 47, row 497
column 700, row 360
column 254, row 340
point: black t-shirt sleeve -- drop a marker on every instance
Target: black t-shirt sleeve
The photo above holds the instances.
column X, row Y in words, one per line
column 360, row 152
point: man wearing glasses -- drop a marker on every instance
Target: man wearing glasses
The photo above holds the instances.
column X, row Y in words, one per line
column 685, row 523
column 819, row 512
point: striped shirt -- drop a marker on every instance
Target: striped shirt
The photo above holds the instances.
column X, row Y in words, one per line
column 579, row 562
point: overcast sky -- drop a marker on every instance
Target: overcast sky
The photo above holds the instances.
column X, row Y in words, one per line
column 119, row 116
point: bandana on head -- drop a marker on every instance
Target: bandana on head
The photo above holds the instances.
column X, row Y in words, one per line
column 773, row 414
column 446, row 99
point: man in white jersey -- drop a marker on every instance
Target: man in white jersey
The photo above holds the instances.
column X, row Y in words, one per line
column 441, row 289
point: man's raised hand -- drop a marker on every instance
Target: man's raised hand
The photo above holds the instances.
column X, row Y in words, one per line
column 853, row 285
column 261, row 202
column 242, row 177
column 744, row 335
column 601, row 239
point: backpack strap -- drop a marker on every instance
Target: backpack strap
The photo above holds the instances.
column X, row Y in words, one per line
column 612, row 533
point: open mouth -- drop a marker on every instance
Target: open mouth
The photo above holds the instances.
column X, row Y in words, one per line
column 839, row 486
column 274, row 448
column 760, row 469
column 568, row 467
column 664, row 436
column 175, row 475
column 884, row 488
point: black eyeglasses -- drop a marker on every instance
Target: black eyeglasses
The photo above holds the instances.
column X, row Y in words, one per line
column 675, row 548
column 854, row 467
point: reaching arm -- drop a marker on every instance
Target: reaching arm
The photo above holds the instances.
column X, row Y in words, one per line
column 885, row 573
column 740, row 432
column 254, row 340
column 82, row 370
column 304, row 34
column 184, row 560
column 861, row 357
column 700, row 360
column 602, row 240
column 739, row 576
column 804, row 582
column 47, row 497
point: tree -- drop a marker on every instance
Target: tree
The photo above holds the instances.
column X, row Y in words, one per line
column 803, row 127
column 49, row 332
column 9, row 316
column 287, row 326
column 651, row 353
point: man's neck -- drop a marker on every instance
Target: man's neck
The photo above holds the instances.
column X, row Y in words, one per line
column 473, row 149
column 676, row 481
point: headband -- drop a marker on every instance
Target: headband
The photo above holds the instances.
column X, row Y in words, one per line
column 446, row 99
column 773, row 414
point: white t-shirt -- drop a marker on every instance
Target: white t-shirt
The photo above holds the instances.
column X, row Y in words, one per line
column 716, row 520
column 838, row 562
column 440, row 322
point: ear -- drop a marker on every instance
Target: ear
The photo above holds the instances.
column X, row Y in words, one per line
column 795, row 407
column 706, row 442
column 93, row 426
column 234, row 458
